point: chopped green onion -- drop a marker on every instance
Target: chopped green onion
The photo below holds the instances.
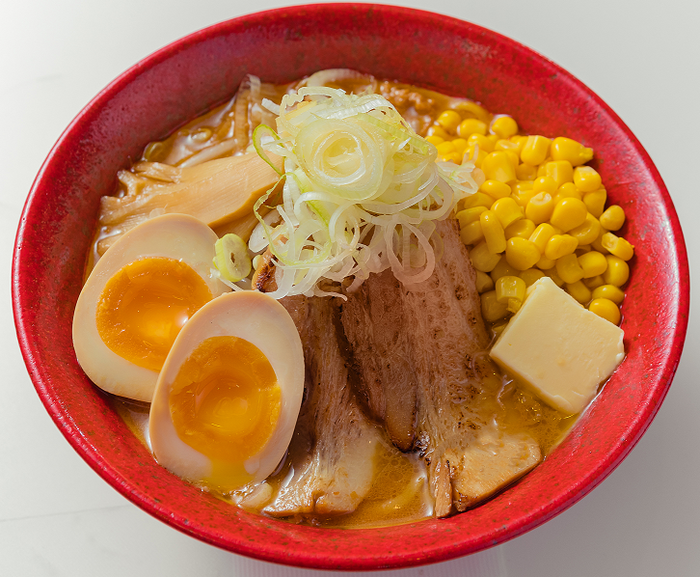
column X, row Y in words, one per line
column 231, row 258
column 361, row 192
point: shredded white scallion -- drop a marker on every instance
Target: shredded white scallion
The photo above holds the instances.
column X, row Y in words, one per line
column 361, row 192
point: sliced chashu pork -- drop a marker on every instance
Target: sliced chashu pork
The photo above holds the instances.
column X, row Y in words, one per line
column 379, row 348
column 332, row 451
column 414, row 351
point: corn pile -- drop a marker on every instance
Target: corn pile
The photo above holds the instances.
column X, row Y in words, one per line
column 539, row 212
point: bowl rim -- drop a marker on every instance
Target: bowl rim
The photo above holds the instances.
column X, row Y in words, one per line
column 273, row 552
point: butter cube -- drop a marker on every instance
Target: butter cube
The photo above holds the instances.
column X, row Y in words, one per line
column 558, row 348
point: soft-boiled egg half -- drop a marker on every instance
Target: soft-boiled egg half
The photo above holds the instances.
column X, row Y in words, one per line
column 138, row 297
column 229, row 393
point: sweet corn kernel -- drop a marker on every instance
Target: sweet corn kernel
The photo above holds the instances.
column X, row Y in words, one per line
column 582, row 248
column 588, row 232
column 434, row 139
column 483, row 259
column 570, row 150
column 470, row 126
column 455, row 157
column 514, row 305
column 474, row 154
column 613, row 218
column 494, row 234
column 437, row 130
column 567, row 190
column 445, row 147
column 511, row 290
column 545, row 184
column 535, row 150
column 514, row 158
column 471, row 233
column 473, row 110
column 522, row 228
column 560, row 171
column 522, row 186
column 594, row 281
column 606, row 309
column 477, row 199
column 502, row 269
column 510, row 286
column 569, row 213
column 608, row 291
column 520, row 141
column 504, row 126
column 545, row 263
column 552, row 273
column 491, row 309
column 507, row 211
column 483, row 142
column 522, row 253
column 568, row 269
column 522, row 196
column 579, row 291
column 597, row 244
column 483, row 282
column 541, row 236
column 617, row 245
column 522, row 191
column 560, row 245
column 460, row 145
column 495, row 189
column 449, row 120
column 586, row 179
column 531, row 275
column 469, row 215
column 540, row 207
column 592, row 263
column 505, row 144
column 618, row 271
column 525, row 172
column 595, row 201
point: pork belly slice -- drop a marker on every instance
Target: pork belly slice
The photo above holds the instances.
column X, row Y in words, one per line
column 332, row 451
column 425, row 345
column 380, row 351
column 488, row 462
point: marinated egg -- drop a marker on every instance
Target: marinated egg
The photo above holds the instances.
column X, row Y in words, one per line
column 229, row 393
column 138, row 297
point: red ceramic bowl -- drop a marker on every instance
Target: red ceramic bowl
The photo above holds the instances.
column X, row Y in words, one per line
column 195, row 73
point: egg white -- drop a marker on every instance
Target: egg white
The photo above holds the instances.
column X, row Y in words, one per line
column 262, row 321
column 175, row 236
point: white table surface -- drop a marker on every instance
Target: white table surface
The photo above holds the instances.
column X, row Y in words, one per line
column 57, row 517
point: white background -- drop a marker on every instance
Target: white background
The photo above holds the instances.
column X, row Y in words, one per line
column 57, row 517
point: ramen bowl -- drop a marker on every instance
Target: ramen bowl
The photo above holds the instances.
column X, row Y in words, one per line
column 204, row 69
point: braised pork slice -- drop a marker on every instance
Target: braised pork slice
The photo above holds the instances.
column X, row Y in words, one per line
column 379, row 342
column 424, row 345
column 332, row 451
column 491, row 461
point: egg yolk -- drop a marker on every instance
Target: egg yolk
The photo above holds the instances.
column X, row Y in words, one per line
column 225, row 403
column 145, row 304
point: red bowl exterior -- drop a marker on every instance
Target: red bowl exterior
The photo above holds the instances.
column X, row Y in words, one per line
column 199, row 71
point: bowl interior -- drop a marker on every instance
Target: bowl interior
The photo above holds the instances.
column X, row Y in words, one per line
column 190, row 76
